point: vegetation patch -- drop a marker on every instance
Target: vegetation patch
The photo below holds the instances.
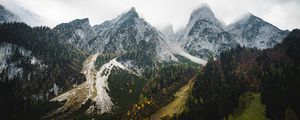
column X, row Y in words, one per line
column 250, row 108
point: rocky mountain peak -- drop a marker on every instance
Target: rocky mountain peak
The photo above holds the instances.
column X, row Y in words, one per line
column 133, row 10
column 131, row 14
column 203, row 13
column 168, row 30
column 1, row 7
column 255, row 32
column 254, row 18
column 81, row 22
column 201, row 17
column 249, row 18
column 204, row 35
column 127, row 16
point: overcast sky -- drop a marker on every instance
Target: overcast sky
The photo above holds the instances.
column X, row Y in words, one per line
column 284, row 14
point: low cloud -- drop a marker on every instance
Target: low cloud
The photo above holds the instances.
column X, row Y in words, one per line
column 284, row 14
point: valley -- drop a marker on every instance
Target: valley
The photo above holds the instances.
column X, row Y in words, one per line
column 178, row 105
column 125, row 68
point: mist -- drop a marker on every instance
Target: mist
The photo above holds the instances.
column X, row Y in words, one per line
column 284, row 14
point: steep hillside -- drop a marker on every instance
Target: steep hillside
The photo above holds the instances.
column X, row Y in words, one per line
column 204, row 36
column 34, row 68
column 139, row 43
column 255, row 32
column 274, row 72
column 126, row 33
column 125, row 68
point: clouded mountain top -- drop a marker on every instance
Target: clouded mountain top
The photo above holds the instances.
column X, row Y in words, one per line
column 169, row 32
column 203, row 13
column 248, row 18
column 78, row 23
column 205, row 36
column 20, row 14
column 253, row 31
column 83, row 21
column 8, row 16
column 125, row 68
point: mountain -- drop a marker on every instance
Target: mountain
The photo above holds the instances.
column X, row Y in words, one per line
column 8, row 16
column 118, row 35
column 219, row 92
column 255, row 32
column 125, row 47
column 125, row 68
column 204, row 35
column 76, row 33
column 128, row 34
column 169, row 33
column 35, row 67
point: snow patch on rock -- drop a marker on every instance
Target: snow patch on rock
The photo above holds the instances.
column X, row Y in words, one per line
column 7, row 51
column 95, row 88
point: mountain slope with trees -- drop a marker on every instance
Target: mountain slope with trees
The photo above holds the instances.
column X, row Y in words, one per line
column 138, row 71
column 273, row 72
column 46, row 68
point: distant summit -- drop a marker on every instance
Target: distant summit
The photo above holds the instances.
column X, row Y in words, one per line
column 8, row 16
column 253, row 31
column 205, row 35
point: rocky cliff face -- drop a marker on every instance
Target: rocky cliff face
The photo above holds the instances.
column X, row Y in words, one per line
column 204, row 35
column 77, row 33
column 127, row 34
column 252, row 31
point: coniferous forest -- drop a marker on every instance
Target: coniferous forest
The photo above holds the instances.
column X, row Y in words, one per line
column 273, row 72
column 126, row 69
column 20, row 94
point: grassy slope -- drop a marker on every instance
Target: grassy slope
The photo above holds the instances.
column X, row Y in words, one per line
column 250, row 108
column 177, row 105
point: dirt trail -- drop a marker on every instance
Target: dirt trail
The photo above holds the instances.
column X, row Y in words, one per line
column 177, row 105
